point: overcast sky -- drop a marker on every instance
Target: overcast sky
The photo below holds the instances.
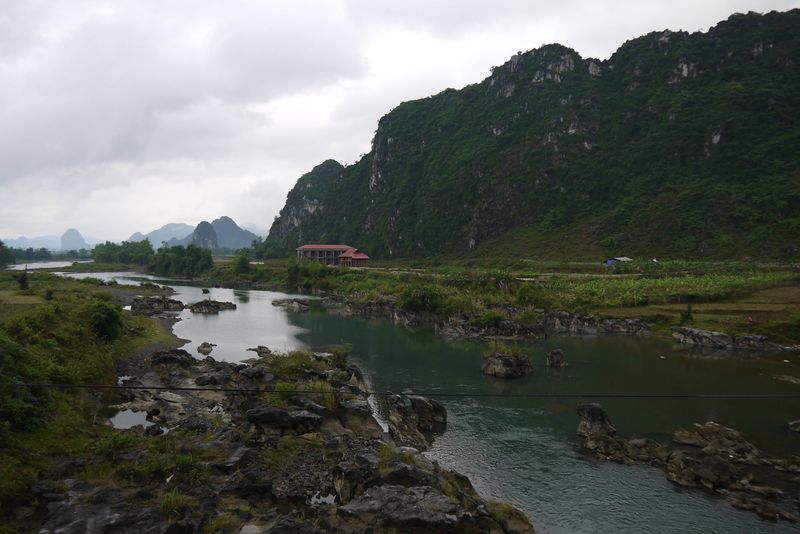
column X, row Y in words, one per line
column 122, row 116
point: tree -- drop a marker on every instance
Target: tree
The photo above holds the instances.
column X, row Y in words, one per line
column 241, row 264
column 6, row 256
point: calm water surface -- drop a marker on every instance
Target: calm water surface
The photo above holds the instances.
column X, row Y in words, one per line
column 525, row 450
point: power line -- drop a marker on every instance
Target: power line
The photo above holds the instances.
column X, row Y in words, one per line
column 52, row 385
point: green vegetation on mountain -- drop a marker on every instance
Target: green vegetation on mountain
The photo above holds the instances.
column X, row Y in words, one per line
column 680, row 145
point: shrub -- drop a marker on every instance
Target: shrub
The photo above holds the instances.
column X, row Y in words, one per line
column 106, row 320
column 421, row 299
column 489, row 319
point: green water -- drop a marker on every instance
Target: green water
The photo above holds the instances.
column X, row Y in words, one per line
column 524, row 450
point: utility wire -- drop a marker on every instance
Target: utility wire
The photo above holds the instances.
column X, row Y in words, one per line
column 51, row 385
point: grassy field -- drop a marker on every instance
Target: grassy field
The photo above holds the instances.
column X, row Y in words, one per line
column 775, row 312
column 57, row 330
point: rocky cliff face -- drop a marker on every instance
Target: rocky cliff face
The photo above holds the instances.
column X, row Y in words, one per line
column 678, row 144
column 204, row 236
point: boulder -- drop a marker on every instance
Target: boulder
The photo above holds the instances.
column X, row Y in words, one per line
column 504, row 366
column 211, row 306
column 286, row 421
column 261, row 350
column 704, row 338
column 413, row 418
column 295, row 305
column 594, row 421
column 154, row 305
column 555, row 358
column 397, row 508
column 173, row 357
column 794, row 425
column 205, row 348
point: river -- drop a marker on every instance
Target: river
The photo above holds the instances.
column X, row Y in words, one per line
column 524, row 450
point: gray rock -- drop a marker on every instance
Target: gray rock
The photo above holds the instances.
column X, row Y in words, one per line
column 503, row 366
column 397, row 507
column 794, row 425
column 261, row 350
column 154, row 305
column 412, row 418
column 555, row 358
column 594, row 421
column 211, row 306
column 173, row 357
column 205, row 348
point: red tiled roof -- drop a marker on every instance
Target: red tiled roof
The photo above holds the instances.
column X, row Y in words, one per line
column 324, row 247
column 355, row 254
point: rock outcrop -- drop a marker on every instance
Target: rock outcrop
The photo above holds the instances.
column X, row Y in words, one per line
column 576, row 324
column 251, row 457
column 506, row 366
column 555, row 358
column 155, row 305
column 709, row 456
column 413, row 419
column 293, row 304
column 211, row 306
column 720, row 341
column 205, row 348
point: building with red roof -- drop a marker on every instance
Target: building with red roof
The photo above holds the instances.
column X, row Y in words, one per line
column 333, row 255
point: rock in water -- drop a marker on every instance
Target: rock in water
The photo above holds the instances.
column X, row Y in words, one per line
column 261, row 350
column 205, row 348
column 211, row 306
column 594, row 421
column 555, row 358
column 155, row 305
column 411, row 417
column 503, row 366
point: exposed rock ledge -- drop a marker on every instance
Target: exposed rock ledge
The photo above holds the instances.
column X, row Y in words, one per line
column 506, row 366
column 726, row 342
column 211, row 306
column 709, row 456
column 462, row 326
column 241, row 461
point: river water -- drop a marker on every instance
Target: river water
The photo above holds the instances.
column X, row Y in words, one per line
column 524, row 450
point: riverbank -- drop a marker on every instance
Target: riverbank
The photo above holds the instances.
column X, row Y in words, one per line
column 314, row 460
column 284, row 443
column 757, row 299
column 64, row 331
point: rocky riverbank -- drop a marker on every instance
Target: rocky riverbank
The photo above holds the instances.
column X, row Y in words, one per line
column 720, row 341
column 284, row 443
column 708, row 456
column 467, row 326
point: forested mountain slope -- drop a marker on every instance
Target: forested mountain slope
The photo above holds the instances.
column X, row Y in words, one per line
column 679, row 144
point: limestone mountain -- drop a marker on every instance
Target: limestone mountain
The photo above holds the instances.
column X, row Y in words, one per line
column 204, row 236
column 163, row 234
column 230, row 235
column 73, row 240
column 223, row 233
column 678, row 144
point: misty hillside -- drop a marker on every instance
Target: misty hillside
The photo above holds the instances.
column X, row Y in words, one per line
column 221, row 233
column 679, row 144
column 163, row 234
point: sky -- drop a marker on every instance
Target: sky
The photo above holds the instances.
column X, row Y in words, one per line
column 122, row 116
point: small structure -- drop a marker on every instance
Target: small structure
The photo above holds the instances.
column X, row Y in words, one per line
column 618, row 259
column 353, row 258
column 333, row 254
